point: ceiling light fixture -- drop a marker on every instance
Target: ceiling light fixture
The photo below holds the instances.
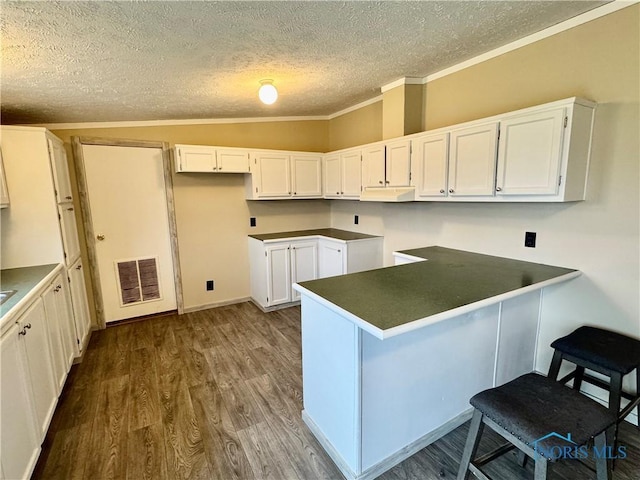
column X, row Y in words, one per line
column 267, row 93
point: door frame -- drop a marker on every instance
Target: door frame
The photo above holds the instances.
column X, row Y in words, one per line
column 89, row 234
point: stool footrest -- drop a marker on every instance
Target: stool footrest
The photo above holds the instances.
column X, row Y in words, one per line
column 493, row 454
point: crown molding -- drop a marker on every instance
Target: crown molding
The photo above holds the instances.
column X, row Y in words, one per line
column 358, row 106
column 402, row 81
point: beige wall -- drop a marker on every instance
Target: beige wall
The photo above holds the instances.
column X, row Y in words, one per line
column 600, row 61
column 356, row 128
column 212, row 214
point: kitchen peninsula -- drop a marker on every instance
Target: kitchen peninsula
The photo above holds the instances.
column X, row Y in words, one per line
column 391, row 356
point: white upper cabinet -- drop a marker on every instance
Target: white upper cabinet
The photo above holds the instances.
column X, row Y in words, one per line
column 373, row 159
column 472, row 160
column 60, row 168
column 398, row 163
column 544, row 153
column 387, row 165
column 206, row 159
column 429, row 163
column 70, row 242
column 341, row 175
column 306, row 175
column 279, row 175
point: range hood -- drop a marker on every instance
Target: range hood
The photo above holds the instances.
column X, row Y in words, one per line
column 388, row 194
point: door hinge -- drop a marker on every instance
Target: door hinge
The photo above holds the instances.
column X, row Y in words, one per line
column 560, row 180
column 499, row 134
column 78, row 340
column 265, row 254
column 256, row 189
column 59, row 217
column 566, row 120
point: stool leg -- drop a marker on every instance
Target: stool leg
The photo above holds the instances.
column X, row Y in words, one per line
column 638, row 394
column 554, row 369
column 614, row 407
column 603, row 471
column 540, row 472
column 577, row 380
column 522, row 458
column 470, row 448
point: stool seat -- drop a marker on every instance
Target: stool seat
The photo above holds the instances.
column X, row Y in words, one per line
column 603, row 348
column 533, row 406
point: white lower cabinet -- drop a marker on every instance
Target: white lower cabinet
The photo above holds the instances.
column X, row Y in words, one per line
column 281, row 265
column 276, row 265
column 80, row 305
column 19, row 444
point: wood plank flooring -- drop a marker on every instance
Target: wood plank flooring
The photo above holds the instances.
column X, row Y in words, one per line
column 217, row 394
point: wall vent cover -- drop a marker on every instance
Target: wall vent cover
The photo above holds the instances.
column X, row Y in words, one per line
column 138, row 280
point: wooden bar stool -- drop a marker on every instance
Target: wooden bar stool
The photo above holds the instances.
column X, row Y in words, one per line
column 609, row 353
column 540, row 417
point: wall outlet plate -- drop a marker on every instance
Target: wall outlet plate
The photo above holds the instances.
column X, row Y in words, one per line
column 209, row 285
column 530, row 239
column 355, row 219
column 252, row 221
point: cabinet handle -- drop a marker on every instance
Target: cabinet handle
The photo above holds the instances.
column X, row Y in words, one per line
column 69, row 197
column 442, row 190
column 341, row 193
column 498, row 189
column 22, row 332
column 451, row 190
column 219, row 168
column 28, row 326
column 380, row 182
column 70, row 209
column 337, row 193
column 78, row 267
column 386, row 181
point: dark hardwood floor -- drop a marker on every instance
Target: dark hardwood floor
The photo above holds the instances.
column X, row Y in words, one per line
column 217, row 394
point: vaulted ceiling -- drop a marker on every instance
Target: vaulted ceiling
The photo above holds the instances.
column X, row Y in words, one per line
column 125, row 61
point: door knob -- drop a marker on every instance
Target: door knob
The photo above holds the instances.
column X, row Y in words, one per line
column 100, row 237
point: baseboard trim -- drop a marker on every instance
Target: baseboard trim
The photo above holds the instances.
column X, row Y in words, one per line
column 207, row 306
column 392, row 460
column 273, row 308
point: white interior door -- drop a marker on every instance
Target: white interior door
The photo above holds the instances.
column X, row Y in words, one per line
column 126, row 196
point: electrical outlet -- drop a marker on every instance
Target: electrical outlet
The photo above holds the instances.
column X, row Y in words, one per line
column 252, row 222
column 355, row 219
column 530, row 239
column 209, row 285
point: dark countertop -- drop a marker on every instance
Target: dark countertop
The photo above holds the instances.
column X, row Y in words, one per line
column 24, row 280
column 325, row 232
column 449, row 279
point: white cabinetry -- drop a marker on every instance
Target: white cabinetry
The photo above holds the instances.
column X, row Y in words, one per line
column 19, row 444
column 205, row 159
column 69, row 231
column 544, row 153
column 430, row 164
column 332, row 258
column 60, row 170
column 472, row 161
column 35, row 335
column 342, row 175
column 387, row 165
column 276, row 266
column 82, row 324
column 277, row 175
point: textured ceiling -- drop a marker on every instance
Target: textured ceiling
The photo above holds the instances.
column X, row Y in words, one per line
column 116, row 61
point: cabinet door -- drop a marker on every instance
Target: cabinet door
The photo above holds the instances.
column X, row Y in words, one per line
column 331, row 257
column 472, row 161
column 273, row 175
column 332, row 176
column 54, row 324
column 65, row 317
column 39, row 359
column 306, row 173
column 19, row 445
column 80, row 305
column 430, row 158
column 4, row 192
column 60, row 169
column 373, row 160
column 529, row 154
column 351, row 174
column 232, row 161
column 69, row 229
column 398, row 163
column 195, row 159
column 304, row 264
column 278, row 274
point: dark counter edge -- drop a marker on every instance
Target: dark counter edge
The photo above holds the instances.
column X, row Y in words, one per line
column 334, row 233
